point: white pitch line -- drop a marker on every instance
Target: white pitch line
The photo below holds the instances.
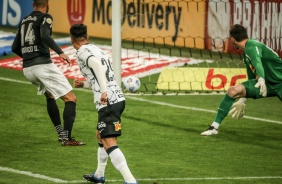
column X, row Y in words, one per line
column 56, row 180
column 38, row 176
column 161, row 103
column 198, row 109
column 13, row 80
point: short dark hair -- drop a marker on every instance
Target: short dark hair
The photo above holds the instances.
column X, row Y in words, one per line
column 78, row 31
column 238, row 32
column 40, row 3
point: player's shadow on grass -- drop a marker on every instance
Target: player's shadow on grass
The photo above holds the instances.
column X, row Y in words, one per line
column 251, row 137
column 156, row 123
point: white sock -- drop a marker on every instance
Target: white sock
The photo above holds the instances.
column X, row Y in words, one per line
column 102, row 157
column 120, row 164
column 215, row 125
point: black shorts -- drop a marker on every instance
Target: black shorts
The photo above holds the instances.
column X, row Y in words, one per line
column 109, row 120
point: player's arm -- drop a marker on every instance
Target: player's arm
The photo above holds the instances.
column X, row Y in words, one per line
column 16, row 46
column 100, row 73
column 81, row 84
column 45, row 33
column 250, row 73
column 255, row 54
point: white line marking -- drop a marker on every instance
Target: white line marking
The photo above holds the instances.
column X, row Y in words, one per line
column 13, row 80
column 198, row 109
column 39, row 176
column 160, row 103
column 56, row 180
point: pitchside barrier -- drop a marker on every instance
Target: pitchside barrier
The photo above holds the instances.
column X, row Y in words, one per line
column 169, row 44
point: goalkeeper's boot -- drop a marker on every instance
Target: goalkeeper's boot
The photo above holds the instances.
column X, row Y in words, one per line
column 92, row 178
column 210, row 131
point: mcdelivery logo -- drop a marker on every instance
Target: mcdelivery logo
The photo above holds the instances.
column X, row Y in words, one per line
column 76, row 11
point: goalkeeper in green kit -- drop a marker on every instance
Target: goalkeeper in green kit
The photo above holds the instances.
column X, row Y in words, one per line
column 264, row 70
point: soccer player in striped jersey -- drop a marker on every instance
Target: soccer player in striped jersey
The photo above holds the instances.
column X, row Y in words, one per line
column 97, row 69
column 264, row 71
column 32, row 43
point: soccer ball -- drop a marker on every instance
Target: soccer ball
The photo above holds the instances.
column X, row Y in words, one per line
column 131, row 84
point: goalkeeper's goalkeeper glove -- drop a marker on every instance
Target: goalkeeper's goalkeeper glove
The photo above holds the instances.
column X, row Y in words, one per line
column 261, row 84
column 238, row 108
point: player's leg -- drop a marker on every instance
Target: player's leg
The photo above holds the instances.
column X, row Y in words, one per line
column 118, row 159
column 102, row 157
column 57, row 84
column 69, row 113
column 226, row 103
column 110, row 143
column 33, row 74
column 109, row 128
column 54, row 113
column 275, row 90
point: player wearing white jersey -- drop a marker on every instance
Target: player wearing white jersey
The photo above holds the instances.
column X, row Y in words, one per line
column 103, row 72
column 96, row 67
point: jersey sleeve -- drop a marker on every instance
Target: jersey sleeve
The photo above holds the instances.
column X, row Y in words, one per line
column 16, row 46
column 250, row 73
column 99, row 71
column 255, row 54
column 45, row 33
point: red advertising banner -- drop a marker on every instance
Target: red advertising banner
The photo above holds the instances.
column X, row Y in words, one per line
column 262, row 18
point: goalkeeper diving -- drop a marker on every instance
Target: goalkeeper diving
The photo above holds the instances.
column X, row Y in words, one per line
column 264, row 71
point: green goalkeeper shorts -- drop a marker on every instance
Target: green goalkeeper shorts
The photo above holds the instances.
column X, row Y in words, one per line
column 253, row 92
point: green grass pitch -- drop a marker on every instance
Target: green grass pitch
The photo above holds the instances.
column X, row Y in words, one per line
column 161, row 139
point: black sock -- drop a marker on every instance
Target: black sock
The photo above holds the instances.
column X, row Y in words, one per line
column 110, row 149
column 69, row 116
column 54, row 113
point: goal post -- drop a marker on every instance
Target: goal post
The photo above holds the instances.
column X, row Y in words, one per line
column 116, row 39
column 183, row 45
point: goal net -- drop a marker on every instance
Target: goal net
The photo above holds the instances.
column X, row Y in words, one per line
column 183, row 45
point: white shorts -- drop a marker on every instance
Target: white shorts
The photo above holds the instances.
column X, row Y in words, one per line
column 48, row 77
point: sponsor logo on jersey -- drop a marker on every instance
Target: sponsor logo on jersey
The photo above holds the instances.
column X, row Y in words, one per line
column 101, row 125
column 76, row 11
column 49, row 21
column 117, row 126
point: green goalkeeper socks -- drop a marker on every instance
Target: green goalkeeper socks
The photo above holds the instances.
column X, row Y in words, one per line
column 224, row 108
